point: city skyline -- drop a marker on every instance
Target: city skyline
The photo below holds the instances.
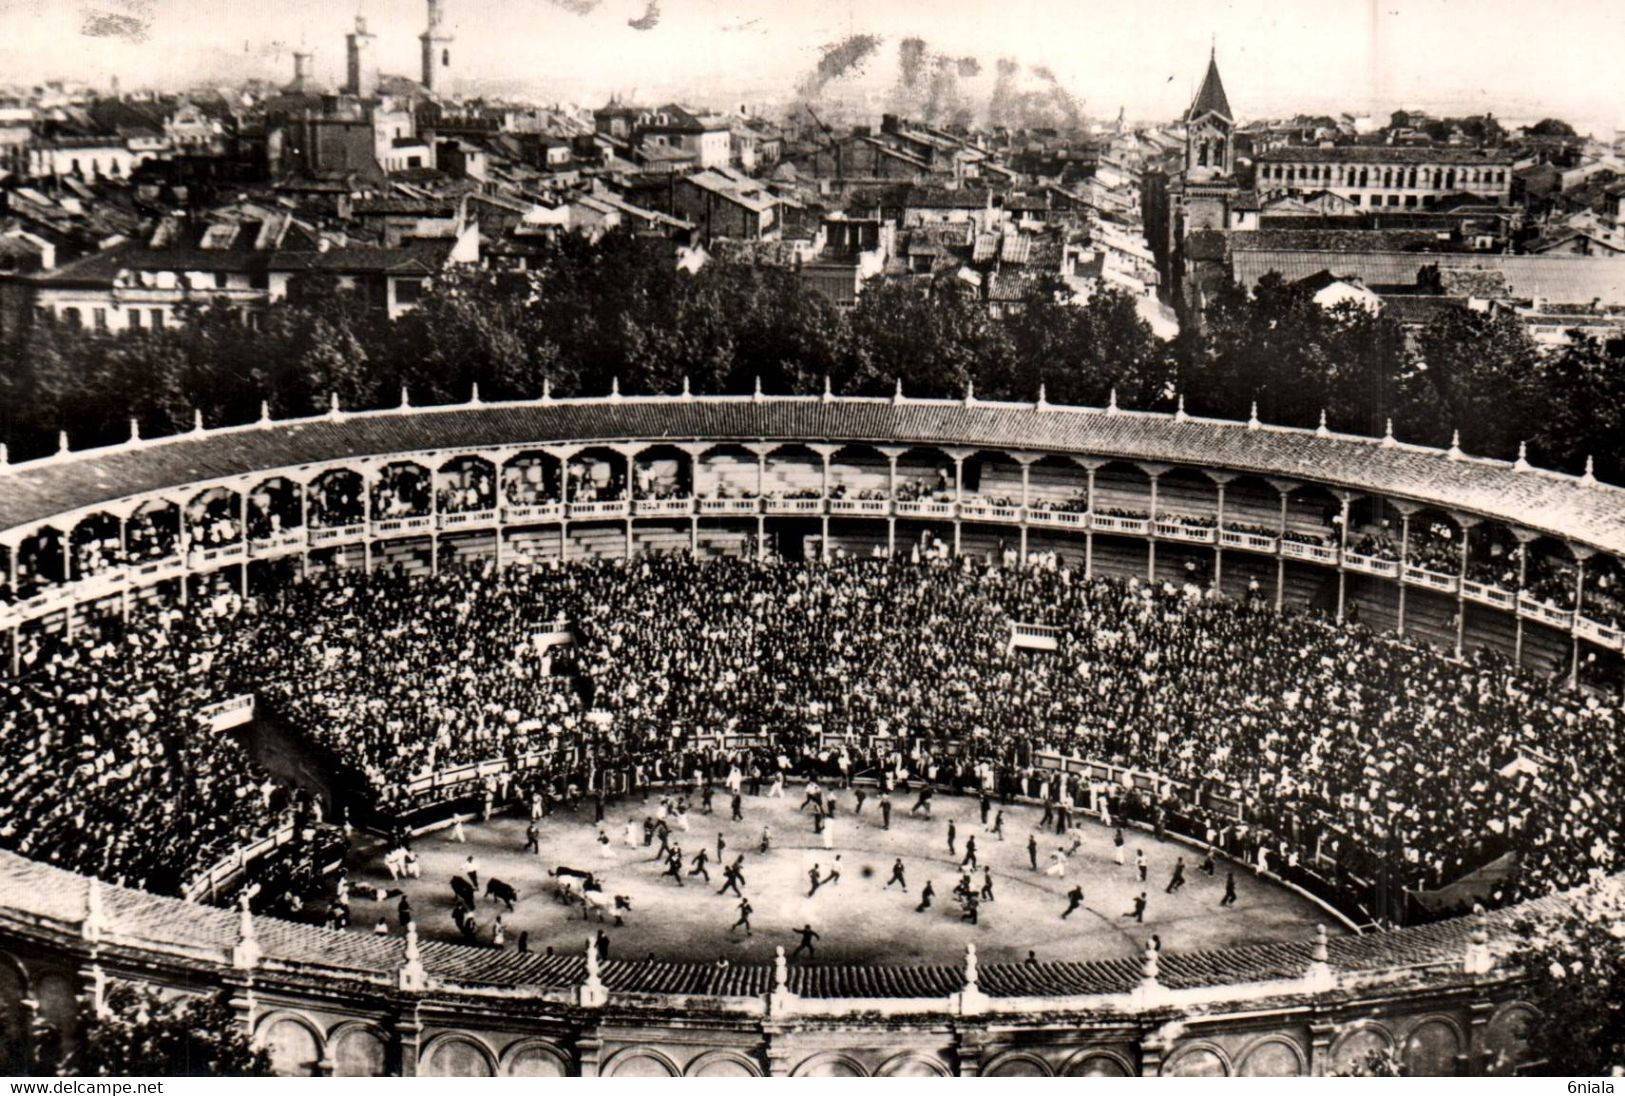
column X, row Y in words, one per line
column 1315, row 57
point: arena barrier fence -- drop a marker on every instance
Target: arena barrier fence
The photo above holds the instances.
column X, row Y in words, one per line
column 231, row 712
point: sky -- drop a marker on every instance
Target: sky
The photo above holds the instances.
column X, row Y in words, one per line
column 1523, row 61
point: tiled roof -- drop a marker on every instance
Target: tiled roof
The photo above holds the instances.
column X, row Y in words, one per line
column 55, row 899
column 1384, row 154
column 1557, row 278
column 1559, row 505
column 1211, row 97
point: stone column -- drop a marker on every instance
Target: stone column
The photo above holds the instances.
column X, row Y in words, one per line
column 1285, row 487
column 959, row 456
column 1347, row 499
column 1524, row 537
column 1581, row 554
column 1466, row 522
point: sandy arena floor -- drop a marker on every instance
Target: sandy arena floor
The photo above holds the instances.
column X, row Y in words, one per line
column 857, row 918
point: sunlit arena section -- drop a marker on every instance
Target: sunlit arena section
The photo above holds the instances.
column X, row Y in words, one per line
column 623, row 736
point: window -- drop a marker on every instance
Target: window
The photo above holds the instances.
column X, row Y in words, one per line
column 445, row 58
column 408, row 290
column 99, row 316
column 219, row 279
column 1410, row 201
column 70, row 316
column 135, row 320
column 157, row 319
column 260, row 280
column 1355, row 198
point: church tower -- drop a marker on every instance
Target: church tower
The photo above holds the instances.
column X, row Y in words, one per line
column 361, row 69
column 1210, row 129
column 438, row 70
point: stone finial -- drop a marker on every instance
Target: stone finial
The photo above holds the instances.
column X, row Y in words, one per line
column 1252, row 417
column 95, row 920
column 970, row 967
column 474, row 392
column 828, row 393
column 1150, row 967
column 197, row 420
column 781, row 971
column 756, row 392
column 1323, row 430
column 970, row 393
column 333, row 405
column 1454, row 452
column 1179, row 411
column 1111, row 404
column 135, row 429
column 1388, row 441
column 5, row 454
column 1589, row 479
column 1478, row 959
column 61, row 443
column 547, row 389
column 411, row 975
column 592, row 960
column 265, row 413
column 246, row 954
column 592, row 993
column 615, row 388
column 1319, row 975
column 1522, row 463
column 406, row 398
column 897, row 394
column 687, row 395
column 1043, row 397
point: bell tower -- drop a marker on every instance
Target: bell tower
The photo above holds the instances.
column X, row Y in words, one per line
column 1210, row 129
column 439, row 60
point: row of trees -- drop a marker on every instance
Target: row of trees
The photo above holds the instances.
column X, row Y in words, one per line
column 590, row 314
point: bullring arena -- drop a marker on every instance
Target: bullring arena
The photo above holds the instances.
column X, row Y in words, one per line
column 428, row 634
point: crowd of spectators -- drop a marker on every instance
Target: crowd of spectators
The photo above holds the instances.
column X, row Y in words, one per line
column 1310, row 746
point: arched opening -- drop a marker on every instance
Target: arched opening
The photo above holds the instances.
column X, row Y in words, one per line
column 335, row 499
column 273, row 506
column 152, row 531
column 597, row 474
column 211, row 518
column 662, row 472
column 466, row 485
column 530, row 479
column 95, row 545
column 401, row 489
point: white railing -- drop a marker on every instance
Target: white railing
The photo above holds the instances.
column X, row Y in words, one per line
column 613, row 508
column 469, row 519
column 1195, row 534
column 337, row 534
column 663, row 508
column 1433, row 580
column 1485, row 594
column 229, row 867
column 1034, row 637
column 877, row 507
column 541, row 511
column 390, row 526
column 714, row 507
column 1371, row 565
column 1603, row 635
column 234, row 711
column 1531, row 609
column 985, row 511
column 205, row 557
column 1318, row 553
column 1106, row 523
column 1251, row 542
column 919, row 508
column 795, row 506
column 1057, row 517
column 277, row 544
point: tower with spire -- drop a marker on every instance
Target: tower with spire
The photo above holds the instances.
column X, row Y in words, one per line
column 1210, row 128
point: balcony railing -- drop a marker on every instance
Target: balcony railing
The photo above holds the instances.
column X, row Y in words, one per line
column 224, row 553
column 1193, row 534
column 1603, row 635
column 1316, row 553
column 337, row 534
column 469, row 519
column 1485, row 594
column 1530, row 609
column 1106, row 523
column 873, row 507
column 663, row 508
column 721, row 507
column 1371, row 565
column 919, row 508
column 795, row 506
column 590, row 511
column 277, row 544
column 393, row 526
column 982, row 511
column 1250, row 542
column 1432, row 580
column 1057, row 517
column 536, row 512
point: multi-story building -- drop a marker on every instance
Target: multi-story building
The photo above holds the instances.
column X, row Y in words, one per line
column 1386, row 176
